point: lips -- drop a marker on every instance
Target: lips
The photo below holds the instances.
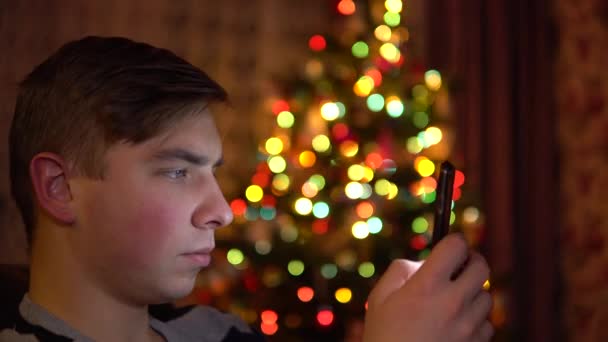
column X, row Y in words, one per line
column 201, row 257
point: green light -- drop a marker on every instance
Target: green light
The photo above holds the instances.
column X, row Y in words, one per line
column 375, row 102
column 251, row 214
column 360, row 49
column 421, row 119
column 428, row 198
column 295, row 267
column 394, row 108
column 317, row 180
column 452, row 217
column 420, row 225
column 374, row 225
column 367, row 191
column 329, row 271
column 263, row 247
column 424, row 254
column 267, row 213
column 420, row 91
column 285, row 119
column 235, row 256
column 320, row 210
column 413, row 145
column 366, row 269
column 392, row 19
column 341, row 109
column 289, row 233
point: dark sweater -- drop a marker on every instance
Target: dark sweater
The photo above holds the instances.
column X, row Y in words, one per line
column 200, row 323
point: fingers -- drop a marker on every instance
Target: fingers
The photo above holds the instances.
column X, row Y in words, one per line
column 446, row 258
column 470, row 282
column 485, row 333
column 479, row 310
column 399, row 271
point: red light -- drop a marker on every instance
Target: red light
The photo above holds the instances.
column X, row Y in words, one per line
column 269, row 329
column 320, row 227
column 238, row 207
column 280, row 106
column 373, row 160
column 458, row 179
column 418, row 242
column 263, row 167
column 317, row 42
column 366, row 305
column 269, row 316
column 365, row 209
column 456, row 195
column 375, row 75
column 340, row 131
column 305, row 294
column 346, row 7
column 269, row 201
column 260, row 179
column 325, row 317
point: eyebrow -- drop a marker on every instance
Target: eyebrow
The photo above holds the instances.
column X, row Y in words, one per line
column 185, row 155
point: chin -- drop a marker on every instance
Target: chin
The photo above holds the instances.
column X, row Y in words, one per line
column 179, row 288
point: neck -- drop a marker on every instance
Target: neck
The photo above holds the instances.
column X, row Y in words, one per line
column 60, row 284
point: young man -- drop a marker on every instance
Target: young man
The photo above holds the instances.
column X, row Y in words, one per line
column 113, row 152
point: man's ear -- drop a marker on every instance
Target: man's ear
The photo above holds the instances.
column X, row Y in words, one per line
column 49, row 175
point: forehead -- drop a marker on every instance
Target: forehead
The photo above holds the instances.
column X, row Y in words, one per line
column 197, row 134
column 198, row 130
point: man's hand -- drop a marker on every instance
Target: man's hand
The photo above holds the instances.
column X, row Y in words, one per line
column 423, row 302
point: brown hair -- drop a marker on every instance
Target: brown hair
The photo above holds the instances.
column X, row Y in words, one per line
column 95, row 92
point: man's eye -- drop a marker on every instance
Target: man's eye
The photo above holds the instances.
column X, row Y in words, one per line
column 176, row 174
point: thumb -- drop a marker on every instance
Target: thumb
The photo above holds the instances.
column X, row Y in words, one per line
column 399, row 271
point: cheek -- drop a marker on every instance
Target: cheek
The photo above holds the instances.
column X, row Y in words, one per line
column 141, row 227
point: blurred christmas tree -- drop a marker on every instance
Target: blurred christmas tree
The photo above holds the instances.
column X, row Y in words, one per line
column 344, row 185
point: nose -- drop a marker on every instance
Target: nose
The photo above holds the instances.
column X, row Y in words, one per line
column 213, row 212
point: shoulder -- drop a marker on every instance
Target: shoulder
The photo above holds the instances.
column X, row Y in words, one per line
column 9, row 335
column 203, row 323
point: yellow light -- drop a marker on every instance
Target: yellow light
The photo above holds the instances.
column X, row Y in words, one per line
column 349, row 148
column 280, row 182
column 432, row 78
column 330, row 111
column 360, row 230
column 433, row 135
column 364, row 86
column 235, row 256
column 425, row 168
column 309, row 189
column 368, row 174
column 486, row 285
column 285, row 119
column 382, row 187
column 277, row 164
column 303, row 206
column 353, row 190
column 383, row 33
column 254, row 193
column 307, row 158
column 343, row 295
column 393, row 190
column 390, row 52
column 321, row 143
column 274, row 145
column 394, row 6
column 470, row 215
column 356, row 172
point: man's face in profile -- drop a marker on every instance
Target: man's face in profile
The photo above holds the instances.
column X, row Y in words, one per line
column 147, row 228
